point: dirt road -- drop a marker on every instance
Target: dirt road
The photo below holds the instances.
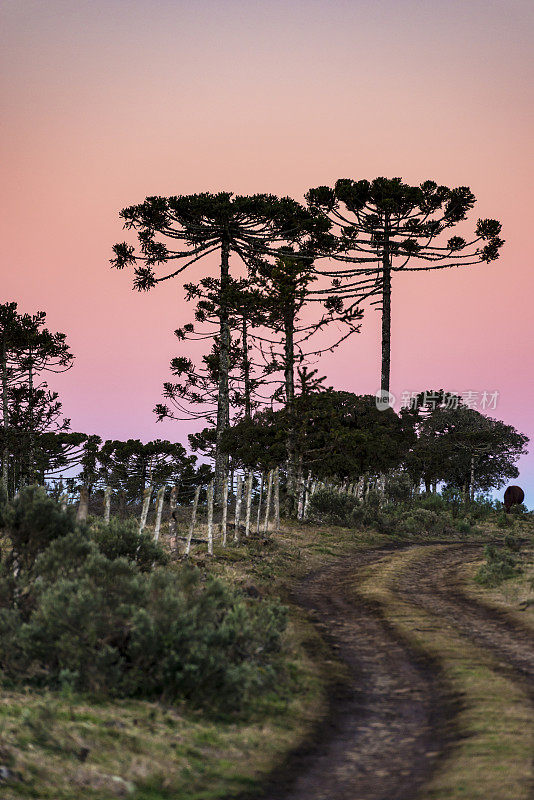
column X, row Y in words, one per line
column 392, row 721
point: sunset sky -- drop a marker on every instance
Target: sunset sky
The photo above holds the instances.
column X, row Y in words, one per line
column 106, row 101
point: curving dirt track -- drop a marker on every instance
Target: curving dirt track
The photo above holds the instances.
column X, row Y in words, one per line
column 433, row 584
column 393, row 718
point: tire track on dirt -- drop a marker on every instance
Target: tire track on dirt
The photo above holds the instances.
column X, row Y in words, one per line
column 385, row 731
column 433, row 583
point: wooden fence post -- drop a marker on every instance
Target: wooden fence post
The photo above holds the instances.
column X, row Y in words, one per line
column 249, row 502
column 239, row 492
column 277, row 499
column 268, row 503
column 107, row 503
column 192, row 523
column 147, row 494
column 259, row 503
column 161, row 497
column 224, row 509
column 210, row 518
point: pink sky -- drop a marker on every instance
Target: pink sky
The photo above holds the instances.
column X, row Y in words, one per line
column 106, row 102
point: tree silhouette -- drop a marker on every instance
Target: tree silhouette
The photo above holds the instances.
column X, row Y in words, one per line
column 464, row 448
column 287, row 285
column 181, row 230
column 386, row 226
column 29, row 408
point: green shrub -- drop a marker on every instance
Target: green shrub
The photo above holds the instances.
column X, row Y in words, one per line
column 505, row 520
column 399, row 488
column 432, row 502
column 31, row 521
column 482, row 508
column 501, row 564
column 512, row 543
column 102, row 626
column 462, row 525
column 332, row 507
column 421, row 520
column 121, row 539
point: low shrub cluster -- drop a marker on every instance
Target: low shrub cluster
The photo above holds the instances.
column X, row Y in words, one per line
column 502, row 563
column 83, row 609
column 396, row 514
column 427, row 516
column 332, row 507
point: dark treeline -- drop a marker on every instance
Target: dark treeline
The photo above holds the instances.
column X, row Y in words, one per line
column 36, row 443
column 293, row 283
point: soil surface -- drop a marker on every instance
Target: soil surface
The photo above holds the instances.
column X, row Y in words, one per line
column 391, row 719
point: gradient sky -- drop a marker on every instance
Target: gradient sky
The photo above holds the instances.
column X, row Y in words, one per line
column 107, row 101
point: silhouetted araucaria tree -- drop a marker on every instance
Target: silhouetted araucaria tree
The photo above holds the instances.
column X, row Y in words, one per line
column 385, row 226
column 179, row 231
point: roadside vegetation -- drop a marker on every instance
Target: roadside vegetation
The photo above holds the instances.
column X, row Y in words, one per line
column 401, row 514
column 125, row 674
column 129, row 672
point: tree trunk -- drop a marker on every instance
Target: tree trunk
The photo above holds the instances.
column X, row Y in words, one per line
column 268, row 503
column 301, row 487
column 472, row 479
column 239, row 494
column 5, row 413
column 210, row 518
column 192, row 523
column 386, row 310
column 246, row 370
column 172, row 518
column 31, row 440
column 224, row 523
column 223, row 399
column 159, row 512
column 277, row 499
column 289, row 380
column 83, row 505
column 147, row 494
column 262, row 482
column 249, row 503
column 307, row 494
column 107, row 503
